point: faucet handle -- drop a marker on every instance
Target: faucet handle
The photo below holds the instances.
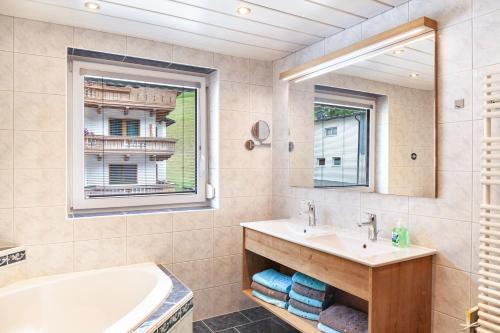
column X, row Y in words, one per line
column 371, row 216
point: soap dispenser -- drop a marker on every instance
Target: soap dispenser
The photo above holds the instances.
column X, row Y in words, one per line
column 400, row 235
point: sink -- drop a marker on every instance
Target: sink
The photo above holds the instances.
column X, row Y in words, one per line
column 308, row 231
column 355, row 247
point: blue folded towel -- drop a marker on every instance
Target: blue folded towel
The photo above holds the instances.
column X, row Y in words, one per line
column 308, row 281
column 270, row 300
column 301, row 298
column 303, row 314
column 326, row 329
column 274, row 280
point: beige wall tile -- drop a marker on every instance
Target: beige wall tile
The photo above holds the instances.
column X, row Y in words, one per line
column 6, row 227
column 155, row 248
column 39, row 112
column 261, row 72
column 227, row 270
column 232, row 68
column 6, row 33
column 234, row 96
column 39, row 187
column 12, row 273
column 190, row 56
column 100, row 227
column 343, row 39
column 49, row 259
column 234, row 125
column 225, row 299
column 261, row 99
column 100, row 41
column 454, row 199
column 392, row 203
column 149, row 49
column 451, row 291
column 42, row 225
column 445, row 12
column 6, row 70
column 41, row 38
column 7, row 184
column 6, row 149
column 455, row 49
column 442, row 323
column 203, row 301
column 193, row 245
column 481, row 7
column 452, row 87
column 6, row 110
column 310, row 52
column 197, row 274
column 227, row 240
column 454, row 250
column 145, row 224
column 455, row 146
column 486, row 30
column 33, row 150
column 94, row 254
column 193, row 220
column 39, row 74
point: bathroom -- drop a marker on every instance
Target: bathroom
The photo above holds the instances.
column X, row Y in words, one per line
column 237, row 75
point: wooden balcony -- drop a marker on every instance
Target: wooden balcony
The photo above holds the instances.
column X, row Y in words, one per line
column 158, row 148
column 159, row 101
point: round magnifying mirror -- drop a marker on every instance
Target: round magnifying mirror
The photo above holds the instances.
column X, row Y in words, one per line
column 260, row 131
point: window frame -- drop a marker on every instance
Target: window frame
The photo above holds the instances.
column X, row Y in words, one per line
column 76, row 124
column 333, row 162
column 331, row 128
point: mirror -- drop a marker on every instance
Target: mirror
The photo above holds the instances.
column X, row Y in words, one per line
column 261, row 131
column 369, row 123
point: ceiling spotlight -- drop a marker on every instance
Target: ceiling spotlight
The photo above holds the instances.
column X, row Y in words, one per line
column 414, row 75
column 92, row 5
column 243, row 10
column 400, row 51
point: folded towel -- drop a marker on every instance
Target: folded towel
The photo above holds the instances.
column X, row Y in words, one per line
column 303, row 314
column 269, row 292
column 309, row 292
column 274, row 280
column 326, row 329
column 304, row 307
column 306, row 300
column 308, row 281
column 270, row 300
column 344, row 319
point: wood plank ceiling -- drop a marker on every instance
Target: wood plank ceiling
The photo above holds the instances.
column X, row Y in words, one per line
column 273, row 28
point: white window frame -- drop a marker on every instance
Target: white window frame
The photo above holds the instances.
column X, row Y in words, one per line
column 77, row 200
column 328, row 128
column 333, row 162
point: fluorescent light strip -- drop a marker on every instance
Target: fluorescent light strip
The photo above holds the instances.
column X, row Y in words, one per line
column 352, row 58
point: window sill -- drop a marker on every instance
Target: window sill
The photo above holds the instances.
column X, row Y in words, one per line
column 138, row 212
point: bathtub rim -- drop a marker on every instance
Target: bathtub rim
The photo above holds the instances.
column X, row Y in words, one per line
column 137, row 315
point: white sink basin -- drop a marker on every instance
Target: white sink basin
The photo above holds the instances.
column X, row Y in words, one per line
column 326, row 239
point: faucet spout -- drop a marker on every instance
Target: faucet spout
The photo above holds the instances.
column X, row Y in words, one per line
column 372, row 226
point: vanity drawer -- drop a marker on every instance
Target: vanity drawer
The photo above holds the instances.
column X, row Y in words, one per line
column 338, row 272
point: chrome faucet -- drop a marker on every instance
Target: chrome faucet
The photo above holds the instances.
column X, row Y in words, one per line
column 372, row 226
column 311, row 212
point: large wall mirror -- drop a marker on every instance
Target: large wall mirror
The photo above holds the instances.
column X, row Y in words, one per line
column 365, row 117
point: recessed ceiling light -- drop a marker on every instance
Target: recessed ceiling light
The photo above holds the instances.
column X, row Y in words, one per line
column 400, row 51
column 243, row 10
column 414, row 75
column 92, row 5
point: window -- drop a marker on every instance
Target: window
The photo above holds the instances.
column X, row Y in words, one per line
column 138, row 137
column 342, row 121
column 331, row 131
column 122, row 174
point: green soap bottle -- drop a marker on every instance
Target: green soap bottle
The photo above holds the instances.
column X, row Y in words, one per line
column 400, row 236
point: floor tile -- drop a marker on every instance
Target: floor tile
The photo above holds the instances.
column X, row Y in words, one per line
column 265, row 326
column 200, row 327
column 257, row 313
column 223, row 322
column 229, row 330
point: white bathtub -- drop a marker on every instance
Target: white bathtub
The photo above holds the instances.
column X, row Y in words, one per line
column 114, row 300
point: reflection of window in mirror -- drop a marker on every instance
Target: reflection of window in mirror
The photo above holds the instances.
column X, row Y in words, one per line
column 342, row 137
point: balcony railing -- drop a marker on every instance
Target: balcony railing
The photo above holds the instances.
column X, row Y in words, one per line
column 163, row 148
column 124, row 190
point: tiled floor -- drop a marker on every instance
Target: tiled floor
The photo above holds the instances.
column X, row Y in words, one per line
column 254, row 320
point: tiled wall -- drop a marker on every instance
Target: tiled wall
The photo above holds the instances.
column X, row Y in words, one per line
column 203, row 248
column 468, row 48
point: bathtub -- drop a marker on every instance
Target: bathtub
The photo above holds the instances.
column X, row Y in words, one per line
column 114, row 300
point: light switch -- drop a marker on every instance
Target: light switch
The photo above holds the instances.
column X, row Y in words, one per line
column 459, row 103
